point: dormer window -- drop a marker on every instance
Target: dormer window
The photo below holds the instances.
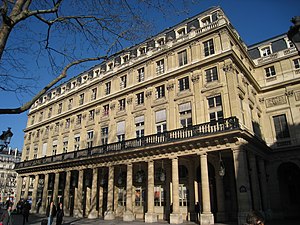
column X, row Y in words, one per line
column 142, row 50
column 265, row 51
column 125, row 58
column 160, row 42
column 110, row 66
column 206, row 21
column 181, row 32
column 289, row 43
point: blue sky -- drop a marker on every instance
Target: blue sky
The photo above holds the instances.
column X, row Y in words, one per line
column 255, row 20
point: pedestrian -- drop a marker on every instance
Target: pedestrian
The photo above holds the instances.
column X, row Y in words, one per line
column 25, row 211
column 59, row 214
column 6, row 217
column 51, row 212
column 255, row 218
column 38, row 205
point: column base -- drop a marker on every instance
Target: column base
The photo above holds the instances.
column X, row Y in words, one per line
column 151, row 217
column 242, row 217
column 221, row 216
column 176, row 218
column 93, row 214
column 109, row 215
column 128, row 216
column 67, row 212
column 77, row 213
column 206, row 219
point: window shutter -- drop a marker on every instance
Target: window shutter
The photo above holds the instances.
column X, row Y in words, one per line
column 161, row 116
column 121, row 128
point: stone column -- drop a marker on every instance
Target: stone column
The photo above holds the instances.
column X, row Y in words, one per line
column 175, row 216
column 34, row 194
column 221, row 215
column 242, row 184
column 67, row 194
column 45, row 194
column 93, row 213
column 88, row 196
column 27, row 181
column 78, row 196
column 264, row 190
column 101, row 189
column 128, row 214
column 19, row 190
column 255, row 183
column 55, row 190
column 109, row 214
column 191, row 193
column 206, row 217
column 150, row 216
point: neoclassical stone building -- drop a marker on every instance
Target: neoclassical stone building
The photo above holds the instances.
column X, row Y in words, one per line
column 191, row 124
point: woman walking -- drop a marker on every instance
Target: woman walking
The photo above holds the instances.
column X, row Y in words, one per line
column 59, row 214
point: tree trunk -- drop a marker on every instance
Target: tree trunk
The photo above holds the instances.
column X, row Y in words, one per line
column 4, row 34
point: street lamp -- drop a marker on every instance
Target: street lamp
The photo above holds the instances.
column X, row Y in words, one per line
column 5, row 138
column 294, row 33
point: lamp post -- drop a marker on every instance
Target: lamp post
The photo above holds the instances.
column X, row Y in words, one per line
column 294, row 33
column 5, row 138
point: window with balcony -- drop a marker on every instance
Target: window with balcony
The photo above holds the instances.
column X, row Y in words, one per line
column 270, row 71
column 54, row 147
column 81, row 98
column 106, row 110
column 139, row 126
column 122, row 104
column 121, row 131
column 296, row 63
column 211, row 74
column 209, row 48
column 92, row 115
column 94, row 94
column 215, row 108
column 185, row 114
column 141, row 74
column 160, row 67
column 123, row 81
column 77, row 142
column 160, row 91
column 107, row 88
column 184, row 84
column 140, row 98
column 161, row 121
column 281, row 127
column 182, row 58
column 90, row 138
column 65, row 145
column 104, row 135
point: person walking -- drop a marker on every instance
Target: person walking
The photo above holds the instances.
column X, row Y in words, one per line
column 25, row 211
column 255, row 218
column 51, row 212
column 59, row 214
column 6, row 217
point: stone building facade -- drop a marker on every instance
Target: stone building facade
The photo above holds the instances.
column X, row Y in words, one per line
column 191, row 124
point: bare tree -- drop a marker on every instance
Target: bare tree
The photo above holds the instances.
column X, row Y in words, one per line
column 57, row 35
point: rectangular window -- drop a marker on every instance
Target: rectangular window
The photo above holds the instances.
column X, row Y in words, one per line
column 183, row 84
column 70, row 105
column 141, row 74
column 140, row 98
column 270, row 71
column 32, row 120
column 90, row 138
column 41, row 116
column 211, row 74
column 183, row 195
column 159, row 198
column 185, row 113
column 107, row 88
column 104, row 135
column 54, row 147
column 209, row 47
column 139, row 196
column 139, row 126
column 215, row 108
column 65, row 145
column 81, row 99
column 68, row 123
column 161, row 121
column 160, row 67
column 123, row 82
column 78, row 119
column 281, row 127
column 56, row 127
column 106, row 110
column 266, row 51
column 296, row 63
column 77, row 142
column 122, row 104
column 94, row 94
column 121, row 131
column 92, row 115
column 59, row 109
column 50, row 112
column 121, row 196
column 160, row 91
column 182, row 58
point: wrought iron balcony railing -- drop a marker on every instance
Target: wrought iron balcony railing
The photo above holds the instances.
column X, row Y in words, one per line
column 230, row 123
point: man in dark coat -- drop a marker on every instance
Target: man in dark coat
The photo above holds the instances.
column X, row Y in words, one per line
column 25, row 211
